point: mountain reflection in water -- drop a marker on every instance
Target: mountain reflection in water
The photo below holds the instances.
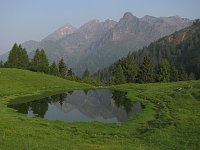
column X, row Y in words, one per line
column 82, row 105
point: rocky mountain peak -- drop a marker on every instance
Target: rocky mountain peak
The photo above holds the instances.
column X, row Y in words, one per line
column 148, row 18
column 60, row 33
column 127, row 20
column 129, row 16
column 66, row 29
column 110, row 21
column 128, row 24
column 90, row 23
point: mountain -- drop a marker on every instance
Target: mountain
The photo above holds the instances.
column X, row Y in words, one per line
column 60, row 33
column 72, row 47
column 181, row 48
column 4, row 57
column 129, row 34
column 98, row 44
column 32, row 45
column 166, row 25
column 77, row 44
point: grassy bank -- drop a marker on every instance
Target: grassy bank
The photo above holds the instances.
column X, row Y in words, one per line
column 170, row 119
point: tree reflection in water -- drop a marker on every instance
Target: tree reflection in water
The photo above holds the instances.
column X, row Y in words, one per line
column 122, row 101
column 106, row 105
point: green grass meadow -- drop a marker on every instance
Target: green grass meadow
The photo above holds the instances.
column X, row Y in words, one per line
column 170, row 119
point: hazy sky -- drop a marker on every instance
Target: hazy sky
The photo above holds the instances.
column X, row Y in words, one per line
column 22, row 20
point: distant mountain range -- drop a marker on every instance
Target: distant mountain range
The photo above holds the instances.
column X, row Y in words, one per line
column 97, row 44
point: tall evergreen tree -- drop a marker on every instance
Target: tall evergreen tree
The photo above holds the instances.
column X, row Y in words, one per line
column 18, row 57
column 183, row 76
column 1, row 64
column 40, row 62
column 12, row 57
column 36, row 61
column 62, row 68
column 119, row 75
column 44, row 63
column 53, row 69
column 145, row 73
column 70, row 73
column 198, row 68
column 173, row 74
column 111, row 80
column 130, row 68
column 23, row 61
column 164, row 73
column 191, row 76
column 86, row 74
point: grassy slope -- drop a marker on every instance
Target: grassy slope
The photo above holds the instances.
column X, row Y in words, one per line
column 170, row 119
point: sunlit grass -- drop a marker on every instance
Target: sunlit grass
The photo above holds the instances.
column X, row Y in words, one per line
column 170, row 119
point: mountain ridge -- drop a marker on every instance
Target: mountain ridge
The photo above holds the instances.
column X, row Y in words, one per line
column 181, row 49
column 60, row 33
column 97, row 44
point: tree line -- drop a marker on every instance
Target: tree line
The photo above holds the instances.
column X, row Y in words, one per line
column 18, row 58
column 169, row 59
column 126, row 70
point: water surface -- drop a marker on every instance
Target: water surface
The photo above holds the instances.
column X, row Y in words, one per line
column 81, row 105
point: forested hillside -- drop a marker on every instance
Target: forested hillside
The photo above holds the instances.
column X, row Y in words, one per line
column 181, row 50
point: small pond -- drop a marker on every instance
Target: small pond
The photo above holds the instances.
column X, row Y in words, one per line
column 82, row 105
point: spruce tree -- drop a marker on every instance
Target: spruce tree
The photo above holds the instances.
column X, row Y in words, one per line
column 35, row 61
column 183, row 76
column 62, row 68
column 86, row 74
column 145, row 73
column 130, row 68
column 111, row 80
column 164, row 73
column 53, row 69
column 23, row 61
column 1, row 64
column 70, row 73
column 40, row 62
column 173, row 74
column 191, row 76
column 44, row 63
column 119, row 75
column 18, row 57
column 12, row 57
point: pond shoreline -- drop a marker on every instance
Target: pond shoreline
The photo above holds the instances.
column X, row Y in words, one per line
column 102, row 105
